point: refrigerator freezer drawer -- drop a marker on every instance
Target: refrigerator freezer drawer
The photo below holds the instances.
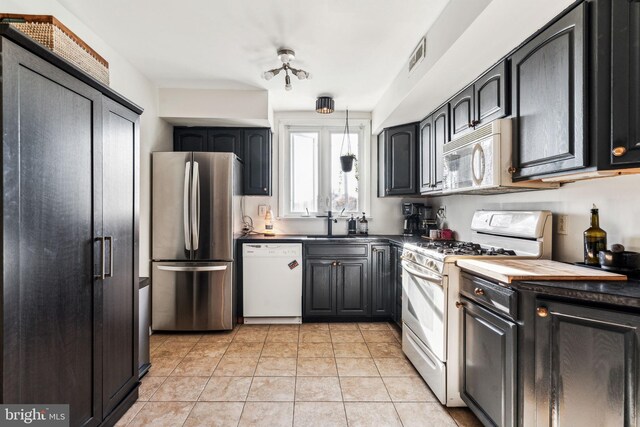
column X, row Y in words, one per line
column 188, row 296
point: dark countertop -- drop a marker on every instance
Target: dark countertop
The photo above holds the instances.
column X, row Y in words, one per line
column 289, row 238
column 616, row 293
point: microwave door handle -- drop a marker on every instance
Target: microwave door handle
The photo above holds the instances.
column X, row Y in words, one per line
column 195, row 206
column 185, row 206
column 478, row 153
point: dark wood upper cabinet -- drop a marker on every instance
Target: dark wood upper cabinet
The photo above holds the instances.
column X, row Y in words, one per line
column 190, row 139
column 490, row 98
column 425, row 155
column 257, row 162
column 253, row 146
column 397, row 161
column 624, row 150
column 585, row 356
column 440, row 137
column 462, row 119
column 548, row 99
column 225, row 140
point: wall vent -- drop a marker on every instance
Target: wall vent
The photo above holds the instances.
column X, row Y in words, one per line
column 418, row 54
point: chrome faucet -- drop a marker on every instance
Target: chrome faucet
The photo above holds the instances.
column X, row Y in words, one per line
column 330, row 221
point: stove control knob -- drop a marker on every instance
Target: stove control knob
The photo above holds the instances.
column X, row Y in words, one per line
column 478, row 291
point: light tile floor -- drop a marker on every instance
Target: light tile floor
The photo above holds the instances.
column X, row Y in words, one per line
column 314, row 374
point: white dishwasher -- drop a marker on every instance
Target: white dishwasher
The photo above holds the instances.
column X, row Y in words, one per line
column 272, row 282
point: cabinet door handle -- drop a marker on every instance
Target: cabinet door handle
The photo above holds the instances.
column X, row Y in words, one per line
column 478, row 291
column 542, row 311
column 511, row 170
column 264, row 189
column 459, row 304
column 475, row 123
column 619, row 151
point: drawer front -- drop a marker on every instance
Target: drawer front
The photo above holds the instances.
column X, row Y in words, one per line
column 489, row 294
column 336, row 251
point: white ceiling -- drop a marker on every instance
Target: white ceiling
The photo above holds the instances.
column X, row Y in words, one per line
column 352, row 48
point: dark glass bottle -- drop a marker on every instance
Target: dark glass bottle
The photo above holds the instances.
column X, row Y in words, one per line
column 364, row 225
column 595, row 239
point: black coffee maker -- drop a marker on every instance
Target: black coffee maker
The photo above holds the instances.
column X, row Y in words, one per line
column 418, row 219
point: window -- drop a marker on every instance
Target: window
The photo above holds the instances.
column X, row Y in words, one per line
column 312, row 178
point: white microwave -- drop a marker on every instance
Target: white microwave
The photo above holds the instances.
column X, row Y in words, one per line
column 480, row 162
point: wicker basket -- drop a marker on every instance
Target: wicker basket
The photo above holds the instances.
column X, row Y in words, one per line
column 51, row 33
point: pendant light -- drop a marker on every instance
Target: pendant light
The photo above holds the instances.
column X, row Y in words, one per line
column 346, row 158
column 324, row 105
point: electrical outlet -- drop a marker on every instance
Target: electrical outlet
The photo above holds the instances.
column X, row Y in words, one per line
column 562, row 224
column 262, row 210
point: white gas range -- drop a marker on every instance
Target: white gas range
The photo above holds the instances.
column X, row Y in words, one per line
column 432, row 327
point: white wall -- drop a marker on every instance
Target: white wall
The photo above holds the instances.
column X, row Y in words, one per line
column 214, row 107
column 467, row 38
column 385, row 213
column 155, row 134
column 616, row 197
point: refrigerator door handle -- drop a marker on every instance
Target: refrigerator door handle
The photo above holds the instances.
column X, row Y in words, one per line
column 195, row 206
column 185, row 202
column 193, row 268
column 110, row 239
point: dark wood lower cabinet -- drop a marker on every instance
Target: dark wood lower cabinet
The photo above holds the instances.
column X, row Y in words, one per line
column 586, row 365
column 319, row 288
column 336, row 288
column 489, row 365
column 381, row 285
column 352, row 287
column 69, row 264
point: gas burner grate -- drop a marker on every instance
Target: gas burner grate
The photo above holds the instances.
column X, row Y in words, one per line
column 452, row 247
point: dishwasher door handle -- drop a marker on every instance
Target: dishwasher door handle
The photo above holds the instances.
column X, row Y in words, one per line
column 192, row 268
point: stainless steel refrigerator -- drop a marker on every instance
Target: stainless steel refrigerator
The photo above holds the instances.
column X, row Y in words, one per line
column 195, row 219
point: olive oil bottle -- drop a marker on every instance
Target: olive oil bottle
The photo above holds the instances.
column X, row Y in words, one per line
column 595, row 239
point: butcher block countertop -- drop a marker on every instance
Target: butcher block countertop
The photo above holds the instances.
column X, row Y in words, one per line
column 518, row 270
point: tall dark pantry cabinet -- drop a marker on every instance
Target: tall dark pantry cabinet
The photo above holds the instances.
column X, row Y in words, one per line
column 70, row 237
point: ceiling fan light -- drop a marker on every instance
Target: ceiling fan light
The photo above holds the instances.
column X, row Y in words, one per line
column 301, row 74
column 268, row 75
column 288, row 87
column 325, row 105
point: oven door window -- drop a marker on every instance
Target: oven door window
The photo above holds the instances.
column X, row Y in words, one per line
column 424, row 299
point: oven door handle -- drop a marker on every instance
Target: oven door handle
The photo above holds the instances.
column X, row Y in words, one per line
column 436, row 281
